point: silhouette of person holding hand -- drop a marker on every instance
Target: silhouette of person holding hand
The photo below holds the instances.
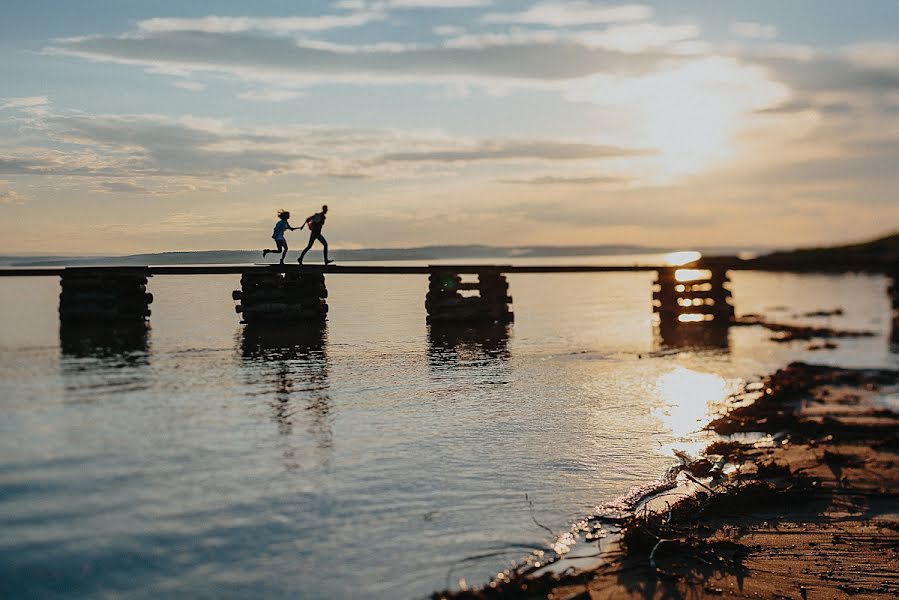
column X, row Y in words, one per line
column 278, row 235
column 315, row 223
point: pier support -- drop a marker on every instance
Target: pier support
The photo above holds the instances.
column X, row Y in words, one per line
column 694, row 307
column 445, row 303
column 272, row 297
column 894, row 302
column 111, row 296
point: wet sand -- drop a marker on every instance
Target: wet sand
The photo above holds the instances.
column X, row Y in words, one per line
column 812, row 511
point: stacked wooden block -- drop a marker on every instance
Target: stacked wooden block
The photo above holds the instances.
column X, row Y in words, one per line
column 105, row 295
column 689, row 295
column 894, row 300
column 444, row 301
column 273, row 297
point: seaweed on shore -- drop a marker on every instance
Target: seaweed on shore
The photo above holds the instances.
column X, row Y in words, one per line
column 775, row 408
column 784, row 332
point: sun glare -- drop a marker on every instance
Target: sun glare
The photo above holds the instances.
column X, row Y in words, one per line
column 690, row 113
column 691, row 274
column 676, row 259
column 687, row 397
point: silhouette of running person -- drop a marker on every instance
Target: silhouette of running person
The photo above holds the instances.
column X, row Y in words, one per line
column 278, row 235
column 315, row 223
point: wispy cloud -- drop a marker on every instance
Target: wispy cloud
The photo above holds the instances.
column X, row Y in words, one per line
column 157, row 154
column 268, row 95
column 549, row 180
column 437, row 3
column 221, row 24
column 191, row 86
column 24, row 102
column 517, row 150
column 566, row 14
column 753, row 31
column 448, row 30
column 534, row 58
column 877, row 55
column 9, row 196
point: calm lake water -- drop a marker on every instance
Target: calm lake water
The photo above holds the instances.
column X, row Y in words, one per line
column 375, row 459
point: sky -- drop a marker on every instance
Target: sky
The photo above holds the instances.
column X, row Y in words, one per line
column 131, row 126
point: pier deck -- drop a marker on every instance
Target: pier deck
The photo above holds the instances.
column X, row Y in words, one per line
column 351, row 269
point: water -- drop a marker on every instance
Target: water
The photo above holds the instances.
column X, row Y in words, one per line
column 372, row 459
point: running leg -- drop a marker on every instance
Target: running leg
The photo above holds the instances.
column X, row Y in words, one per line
column 306, row 249
column 324, row 242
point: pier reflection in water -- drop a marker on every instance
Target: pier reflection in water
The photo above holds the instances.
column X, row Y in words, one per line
column 104, row 361
column 129, row 342
column 288, row 366
column 453, row 344
column 468, row 359
column 693, row 309
column 674, row 334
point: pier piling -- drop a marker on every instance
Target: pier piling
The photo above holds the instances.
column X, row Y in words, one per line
column 445, row 303
column 893, row 290
column 694, row 307
column 290, row 297
column 105, row 296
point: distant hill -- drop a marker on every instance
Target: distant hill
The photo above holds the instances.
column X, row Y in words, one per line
column 877, row 255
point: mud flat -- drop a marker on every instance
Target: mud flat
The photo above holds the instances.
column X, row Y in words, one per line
column 809, row 511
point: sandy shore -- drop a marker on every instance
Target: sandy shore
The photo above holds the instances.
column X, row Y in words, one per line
column 811, row 512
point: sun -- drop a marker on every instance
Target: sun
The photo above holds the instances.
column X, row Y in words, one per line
column 687, row 120
column 688, row 114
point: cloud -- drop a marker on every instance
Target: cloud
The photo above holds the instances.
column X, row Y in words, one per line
column 543, row 58
column 867, row 160
column 157, row 154
column 350, row 4
column 25, row 102
column 847, row 70
column 798, row 106
column 565, row 14
column 438, row 3
column 120, row 187
column 567, row 180
column 753, row 31
column 516, row 150
column 640, row 212
column 448, row 30
column 217, row 24
column 156, row 186
column 268, row 95
column 875, row 55
column 638, row 37
column 621, row 39
column 192, row 86
column 36, row 161
column 11, row 197
column 531, row 58
column 379, row 5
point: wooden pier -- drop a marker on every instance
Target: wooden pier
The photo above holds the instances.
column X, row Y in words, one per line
column 331, row 269
column 692, row 304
